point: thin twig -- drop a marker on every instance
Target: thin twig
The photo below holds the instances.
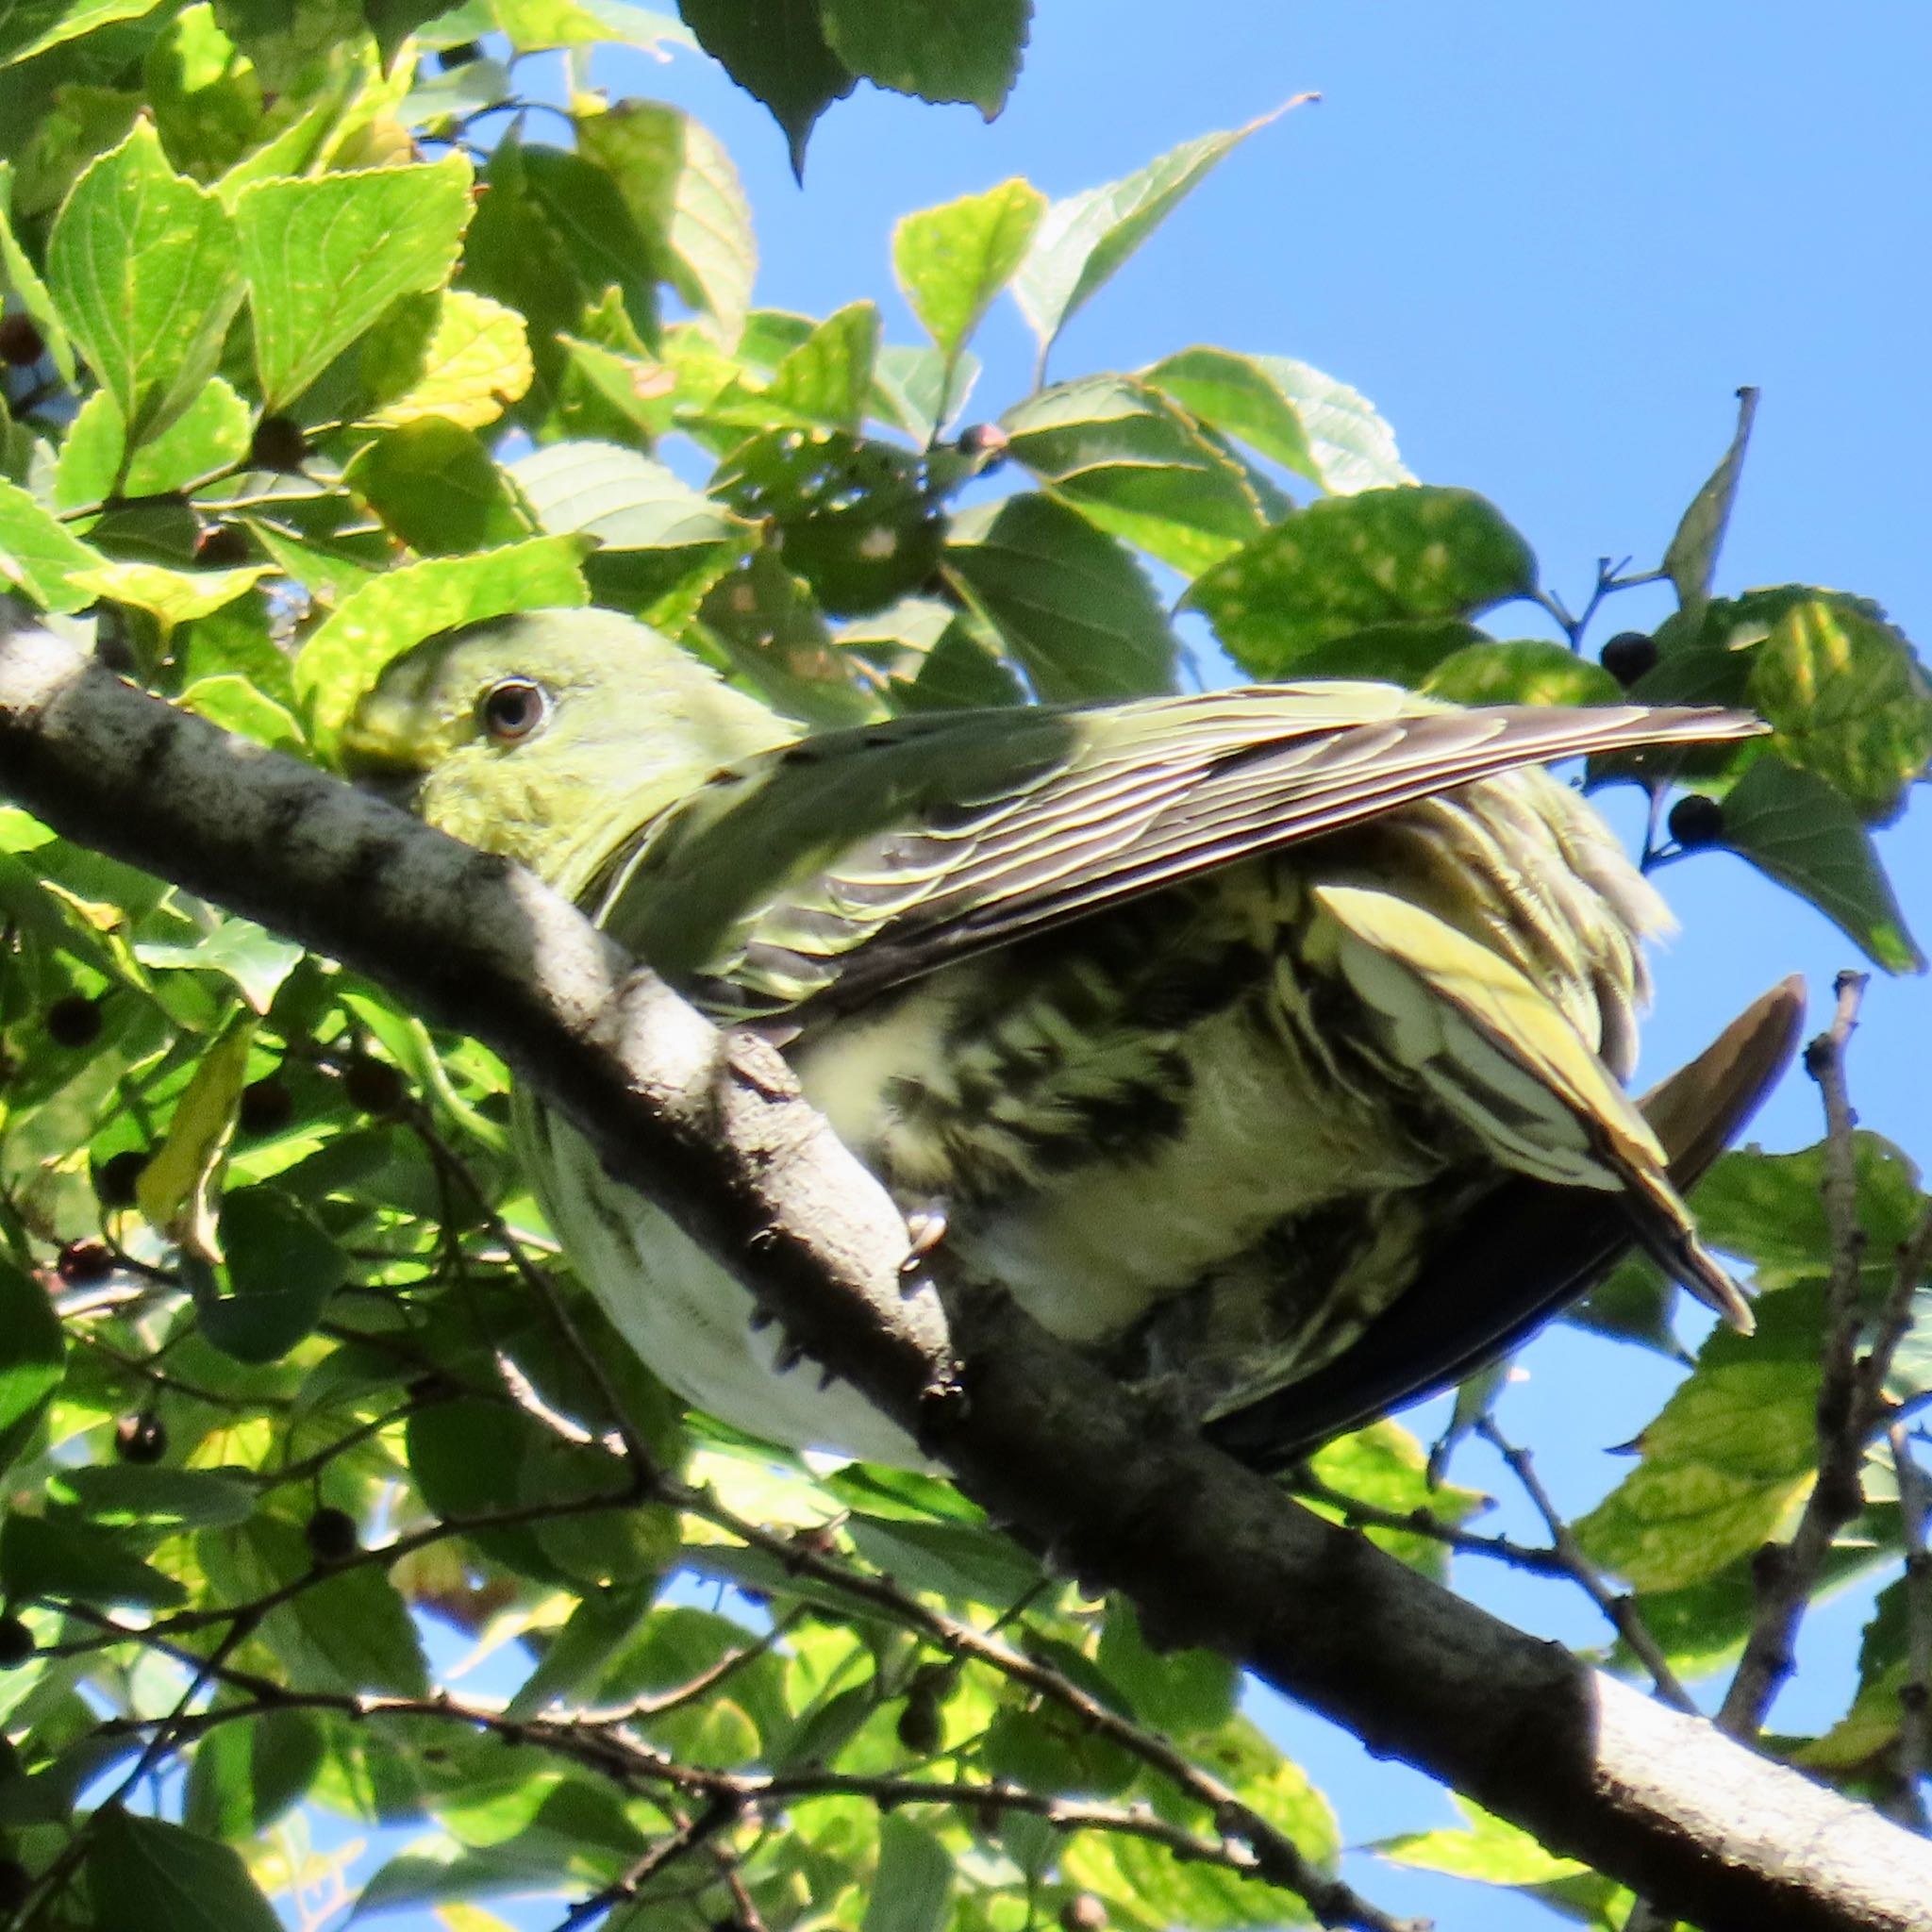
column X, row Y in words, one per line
column 1619, row 1608
column 1915, row 1694
column 1852, row 1403
column 1357, row 1514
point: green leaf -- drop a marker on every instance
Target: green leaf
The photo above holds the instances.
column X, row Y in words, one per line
column 1848, row 699
column 854, row 517
column 282, row 1269
column 827, row 377
column 1803, row 832
column 232, row 701
column 1526, row 671
column 32, row 1357
column 256, row 960
column 17, row 270
column 1490, row 1850
column 141, row 1871
column 39, row 556
column 1185, row 1693
column 126, row 1494
column 435, row 487
column 176, row 1185
column 534, row 25
column 1770, row 1209
column 1069, row 604
column 325, row 257
column 1384, row 1466
column 1691, row 557
column 358, row 1622
column 952, row 261
column 940, row 50
column 172, row 596
column 62, row 1556
column 143, row 265
column 209, row 434
column 765, row 621
column 623, row 500
column 962, row 1561
column 31, row 26
column 916, row 389
column 1083, row 241
column 1404, row 653
column 449, row 354
column 1347, row 562
column 392, row 612
column 1132, row 463
column 777, row 51
column 245, row 1774
column 913, row 1882
column 1242, row 396
column 685, row 195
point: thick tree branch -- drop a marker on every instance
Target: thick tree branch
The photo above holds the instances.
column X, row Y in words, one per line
column 711, row 1129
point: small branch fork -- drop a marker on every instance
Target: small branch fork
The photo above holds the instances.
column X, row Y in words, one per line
column 1852, row 1406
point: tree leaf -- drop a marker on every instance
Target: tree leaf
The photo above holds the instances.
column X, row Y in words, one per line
column 1804, row 834
column 392, row 612
column 623, row 500
column 1083, row 241
column 1691, row 557
column 827, row 377
column 32, row 1357
column 144, row 268
column 777, row 51
column 325, row 257
column 940, row 50
column 20, row 274
column 437, row 488
column 1848, row 699
column 1346, row 562
column 175, row 1189
column 1242, row 396
column 143, row 1872
column 1525, row 670
column 952, row 261
column 281, row 1267
column 39, row 556
column 765, row 621
column 245, row 1774
column 62, row 1556
column 126, row 1494
column 448, row 353
column 1132, row 463
column 914, row 1880
column 1069, row 604
column 681, row 187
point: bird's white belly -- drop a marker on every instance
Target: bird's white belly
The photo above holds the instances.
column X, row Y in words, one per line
column 690, row 1319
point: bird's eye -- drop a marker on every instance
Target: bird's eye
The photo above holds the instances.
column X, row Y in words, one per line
column 512, row 708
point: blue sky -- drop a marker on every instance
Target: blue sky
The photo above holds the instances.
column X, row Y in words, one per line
column 1549, row 243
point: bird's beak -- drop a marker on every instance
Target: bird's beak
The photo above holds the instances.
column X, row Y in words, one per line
column 378, row 753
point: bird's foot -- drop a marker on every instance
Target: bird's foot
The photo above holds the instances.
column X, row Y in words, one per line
column 927, row 1226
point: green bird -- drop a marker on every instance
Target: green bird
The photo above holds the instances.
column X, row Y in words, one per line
column 1205, row 1025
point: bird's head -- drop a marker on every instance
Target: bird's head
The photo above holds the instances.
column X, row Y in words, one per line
column 549, row 735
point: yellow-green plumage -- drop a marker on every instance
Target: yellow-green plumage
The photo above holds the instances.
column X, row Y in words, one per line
column 1200, row 1018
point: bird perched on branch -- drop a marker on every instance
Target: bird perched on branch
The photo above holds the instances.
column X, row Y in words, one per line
column 1209, row 1027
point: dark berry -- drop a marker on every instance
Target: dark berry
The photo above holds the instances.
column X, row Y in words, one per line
column 21, row 343
column 74, row 1021
column 116, row 1176
column 224, row 544
column 279, row 443
column 330, row 1535
column 461, row 55
column 266, row 1106
column 81, row 1262
column 16, row 1642
column 984, row 441
column 142, row 1439
column 1083, row 1912
column 374, row 1086
column 16, row 1881
column 1629, row 655
column 920, row 1728
column 1697, row 820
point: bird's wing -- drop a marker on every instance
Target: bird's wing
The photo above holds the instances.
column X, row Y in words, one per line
column 831, row 870
column 1521, row 1254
